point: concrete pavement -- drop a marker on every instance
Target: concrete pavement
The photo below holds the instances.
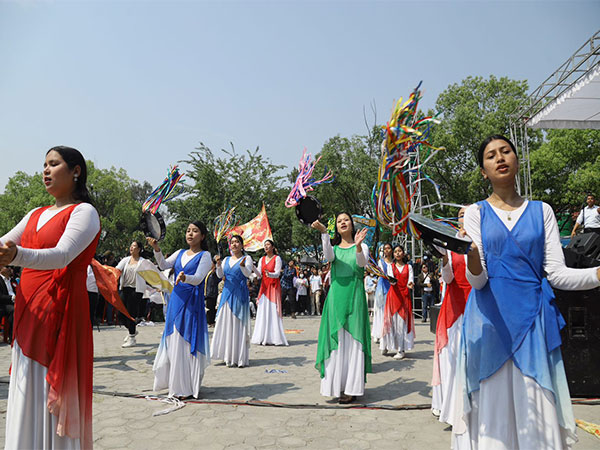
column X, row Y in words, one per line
column 232, row 413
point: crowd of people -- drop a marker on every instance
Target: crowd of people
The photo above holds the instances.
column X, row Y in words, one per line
column 498, row 377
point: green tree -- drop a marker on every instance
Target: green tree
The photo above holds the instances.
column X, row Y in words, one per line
column 566, row 167
column 469, row 112
column 22, row 193
column 245, row 181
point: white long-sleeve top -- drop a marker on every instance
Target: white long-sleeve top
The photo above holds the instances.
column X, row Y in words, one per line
column 247, row 269
column 81, row 229
column 361, row 258
column 400, row 268
column 202, row 270
column 559, row 275
column 276, row 272
column 447, row 271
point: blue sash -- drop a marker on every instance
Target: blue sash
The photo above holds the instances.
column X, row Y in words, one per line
column 235, row 291
column 383, row 286
column 186, row 308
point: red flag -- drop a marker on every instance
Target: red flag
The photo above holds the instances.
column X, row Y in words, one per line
column 107, row 279
column 255, row 232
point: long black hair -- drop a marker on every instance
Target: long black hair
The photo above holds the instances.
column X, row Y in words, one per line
column 73, row 158
column 337, row 238
column 486, row 141
column 200, row 225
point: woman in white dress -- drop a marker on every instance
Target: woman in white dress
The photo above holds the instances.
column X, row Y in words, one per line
column 383, row 286
column 183, row 353
column 268, row 328
column 50, row 392
column 398, row 334
column 231, row 339
column 510, row 370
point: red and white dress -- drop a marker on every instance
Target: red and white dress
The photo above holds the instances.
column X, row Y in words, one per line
column 447, row 335
column 398, row 333
column 268, row 329
column 50, row 392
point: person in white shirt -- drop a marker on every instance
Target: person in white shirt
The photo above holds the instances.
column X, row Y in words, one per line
column 301, row 285
column 589, row 217
column 92, row 290
column 316, row 290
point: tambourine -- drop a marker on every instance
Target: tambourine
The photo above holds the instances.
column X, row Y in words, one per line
column 308, row 210
column 153, row 225
column 441, row 235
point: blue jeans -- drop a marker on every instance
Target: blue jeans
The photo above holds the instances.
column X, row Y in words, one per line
column 427, row 301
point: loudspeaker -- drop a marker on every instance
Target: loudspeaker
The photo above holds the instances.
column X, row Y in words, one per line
column 581, row 340
column 587, row 244
column 579, row 260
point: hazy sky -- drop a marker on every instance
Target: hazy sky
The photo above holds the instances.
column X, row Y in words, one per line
column 139, row 84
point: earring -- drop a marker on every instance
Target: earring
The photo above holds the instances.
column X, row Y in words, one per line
column 75, row 178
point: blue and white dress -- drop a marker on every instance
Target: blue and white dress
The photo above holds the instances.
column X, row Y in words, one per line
column 231, row 339
column 510, row 369
column 183, row 353
column 383, row 286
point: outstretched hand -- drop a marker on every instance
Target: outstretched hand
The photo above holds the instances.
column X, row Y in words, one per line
column 8, row 251
column 318, row 226
column 360, row 237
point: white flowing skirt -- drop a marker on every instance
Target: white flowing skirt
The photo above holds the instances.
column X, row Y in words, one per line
column 444, row 394
column 345, row 368
column 177, row 369
column 398, row 339
column 377, row 327
column 29, row 424
column 268, row 328
column 231, row 339
column 510, row 411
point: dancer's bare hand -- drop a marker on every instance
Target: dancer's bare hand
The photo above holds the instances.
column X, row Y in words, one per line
column 318, row 226
column 180, row 277
column 8, row 251
column 153, row 243
column 360, row 237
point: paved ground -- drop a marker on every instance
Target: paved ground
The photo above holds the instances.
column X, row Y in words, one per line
column 223, row 419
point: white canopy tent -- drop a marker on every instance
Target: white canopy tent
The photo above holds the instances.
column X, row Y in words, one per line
column 569, row 98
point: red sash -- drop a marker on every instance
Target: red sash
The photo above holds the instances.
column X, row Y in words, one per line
column 452, row 308
column 52, row 327
column 270, row 287
column 398, row 300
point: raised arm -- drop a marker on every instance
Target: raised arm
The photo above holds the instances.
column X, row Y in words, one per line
column 476, row 269
column 248, row 266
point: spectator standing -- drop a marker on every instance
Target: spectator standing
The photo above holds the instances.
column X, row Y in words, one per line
column 589, row 217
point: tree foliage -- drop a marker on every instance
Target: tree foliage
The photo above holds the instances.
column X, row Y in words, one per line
column 469, row 112
column 566, row 167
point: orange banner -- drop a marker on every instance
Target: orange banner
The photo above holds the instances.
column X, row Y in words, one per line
column 255, row 232
column 107, row 279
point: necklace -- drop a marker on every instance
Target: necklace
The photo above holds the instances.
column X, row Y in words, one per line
column 508, row 217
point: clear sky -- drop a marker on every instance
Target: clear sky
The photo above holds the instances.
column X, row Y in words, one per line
column 139, row 84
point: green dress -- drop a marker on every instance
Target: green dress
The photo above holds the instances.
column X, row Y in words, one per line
column 345, row 307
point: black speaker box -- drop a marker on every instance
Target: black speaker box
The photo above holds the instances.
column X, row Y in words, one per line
column 581, row 340
column 587, row 244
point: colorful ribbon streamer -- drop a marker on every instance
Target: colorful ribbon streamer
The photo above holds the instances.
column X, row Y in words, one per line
column 168, row 190
column 305, row 181
column 224, row 223
column 404, row 138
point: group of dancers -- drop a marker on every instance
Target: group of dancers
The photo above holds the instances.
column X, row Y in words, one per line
column 498, row 375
